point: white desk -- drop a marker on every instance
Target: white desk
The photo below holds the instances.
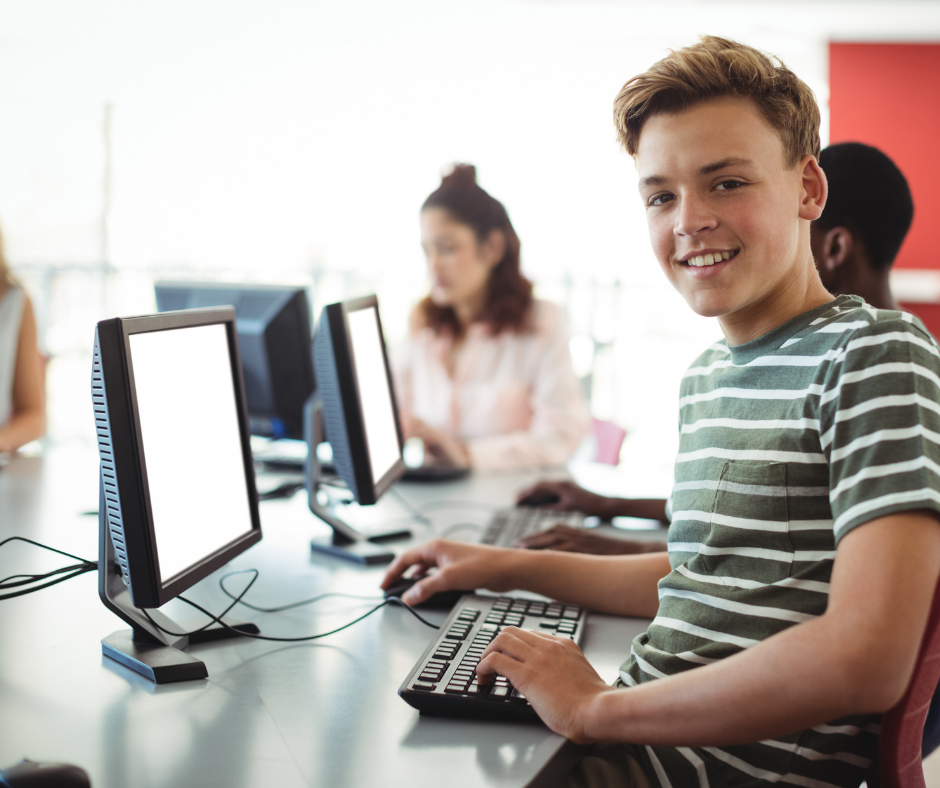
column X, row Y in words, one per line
column 322, row 713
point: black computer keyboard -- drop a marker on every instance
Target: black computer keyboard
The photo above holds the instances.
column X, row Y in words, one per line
column 444, row 680
column 508, row 526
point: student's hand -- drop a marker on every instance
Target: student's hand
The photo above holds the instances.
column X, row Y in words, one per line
column 551, row 672
column 579, row 540
column 571, row 498
column 437, row 444
column 458, row 565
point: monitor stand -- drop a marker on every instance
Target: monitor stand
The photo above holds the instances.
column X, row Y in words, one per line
column 144, row 648
column 346, row 542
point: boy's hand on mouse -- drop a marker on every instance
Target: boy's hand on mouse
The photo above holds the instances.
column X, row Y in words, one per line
column 579, row 540
column 458, row 565
column 551, row 672
column 571, row 498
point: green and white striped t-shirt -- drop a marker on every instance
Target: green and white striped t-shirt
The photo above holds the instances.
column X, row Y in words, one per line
column 787, row 444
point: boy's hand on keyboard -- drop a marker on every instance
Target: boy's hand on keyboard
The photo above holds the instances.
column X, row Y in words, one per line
column 458, row 565
column 551, row 672
column 578, row 540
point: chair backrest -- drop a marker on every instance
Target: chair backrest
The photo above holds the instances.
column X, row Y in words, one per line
column 902, row 728
column 609, row 438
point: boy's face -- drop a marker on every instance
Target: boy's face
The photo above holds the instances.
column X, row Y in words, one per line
column 716, row 187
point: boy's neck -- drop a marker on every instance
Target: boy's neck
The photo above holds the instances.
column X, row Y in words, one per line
column 803, row 293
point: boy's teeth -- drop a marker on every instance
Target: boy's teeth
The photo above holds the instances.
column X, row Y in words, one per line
column 709, row 259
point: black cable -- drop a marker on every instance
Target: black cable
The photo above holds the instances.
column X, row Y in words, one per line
column 389, row 600
column 90, row 566
column 13, row 582
column 452, row 504
column 46, row 547
column 25, row 591
column 450, row 529
column 65, row 572
column 282, row 608
column 416, row 513
column 306, row 601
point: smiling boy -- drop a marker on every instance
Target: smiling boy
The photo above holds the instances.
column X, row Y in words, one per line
column 804, row 546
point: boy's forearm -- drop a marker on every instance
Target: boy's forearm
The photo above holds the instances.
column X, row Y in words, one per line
column 856, row 658
column 784, row 684
column 620, row 585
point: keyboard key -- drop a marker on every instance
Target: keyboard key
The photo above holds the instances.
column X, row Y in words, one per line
column 424, row 686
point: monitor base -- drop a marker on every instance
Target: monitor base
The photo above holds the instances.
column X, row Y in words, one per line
column 154, row 661
column 347, row 542
column 360, row 552
column 164, row 664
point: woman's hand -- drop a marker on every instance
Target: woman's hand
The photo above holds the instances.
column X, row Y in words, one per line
column 439, row 445
column 458, row 565
column 581, row 540
column 551, row 672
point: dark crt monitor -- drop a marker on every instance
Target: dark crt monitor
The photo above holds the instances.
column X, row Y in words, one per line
column 354, row 409
column 163, row 386
column 274, row 340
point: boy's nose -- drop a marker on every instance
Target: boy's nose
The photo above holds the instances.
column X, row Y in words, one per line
column 693, row 216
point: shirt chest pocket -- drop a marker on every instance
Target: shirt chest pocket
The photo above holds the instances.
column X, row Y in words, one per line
column 749, row 531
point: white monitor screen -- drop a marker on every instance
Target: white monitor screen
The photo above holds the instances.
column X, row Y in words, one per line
column 191, row 443
column 378, row 415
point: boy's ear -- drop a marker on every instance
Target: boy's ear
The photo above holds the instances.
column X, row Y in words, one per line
column 815, row 188
column 836, row 247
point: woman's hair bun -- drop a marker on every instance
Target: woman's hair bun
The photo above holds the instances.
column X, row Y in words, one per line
column 462, row 175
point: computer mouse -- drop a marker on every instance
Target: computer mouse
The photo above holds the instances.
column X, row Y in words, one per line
column 442, row 600
column 539, row 499
column 33, row 774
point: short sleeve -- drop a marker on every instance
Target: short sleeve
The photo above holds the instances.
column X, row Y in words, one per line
column 880, row 423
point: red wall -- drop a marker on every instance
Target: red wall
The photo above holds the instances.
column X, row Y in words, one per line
column 888, row 95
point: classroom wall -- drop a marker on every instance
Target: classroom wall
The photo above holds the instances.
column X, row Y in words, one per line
column 887, row 95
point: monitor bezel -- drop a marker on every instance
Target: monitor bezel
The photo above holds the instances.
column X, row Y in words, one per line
column 159, row 590
column 370, row 490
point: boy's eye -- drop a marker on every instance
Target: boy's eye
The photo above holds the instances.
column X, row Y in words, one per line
column 729, row 185
column 660, row 199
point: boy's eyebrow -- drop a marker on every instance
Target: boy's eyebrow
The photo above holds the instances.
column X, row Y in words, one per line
column 653, row 180
column 731, row 161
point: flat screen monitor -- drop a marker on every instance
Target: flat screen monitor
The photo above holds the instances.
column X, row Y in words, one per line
column 273, row 325
column 355, row 407
column 163, row 388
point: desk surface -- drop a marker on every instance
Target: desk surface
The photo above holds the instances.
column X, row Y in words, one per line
column 319, row 713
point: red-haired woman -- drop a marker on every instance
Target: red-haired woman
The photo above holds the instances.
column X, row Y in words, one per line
column 485, row 378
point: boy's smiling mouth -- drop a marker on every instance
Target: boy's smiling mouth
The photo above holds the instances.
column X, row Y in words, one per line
column 700, row 259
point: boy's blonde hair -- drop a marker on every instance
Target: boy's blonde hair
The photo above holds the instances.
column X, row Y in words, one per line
column 717, row 67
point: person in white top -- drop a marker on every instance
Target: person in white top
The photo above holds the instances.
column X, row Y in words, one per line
column 22, row 409
column 485, row 376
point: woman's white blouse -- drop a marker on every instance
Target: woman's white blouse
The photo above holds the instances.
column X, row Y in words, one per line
column 513, row 398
